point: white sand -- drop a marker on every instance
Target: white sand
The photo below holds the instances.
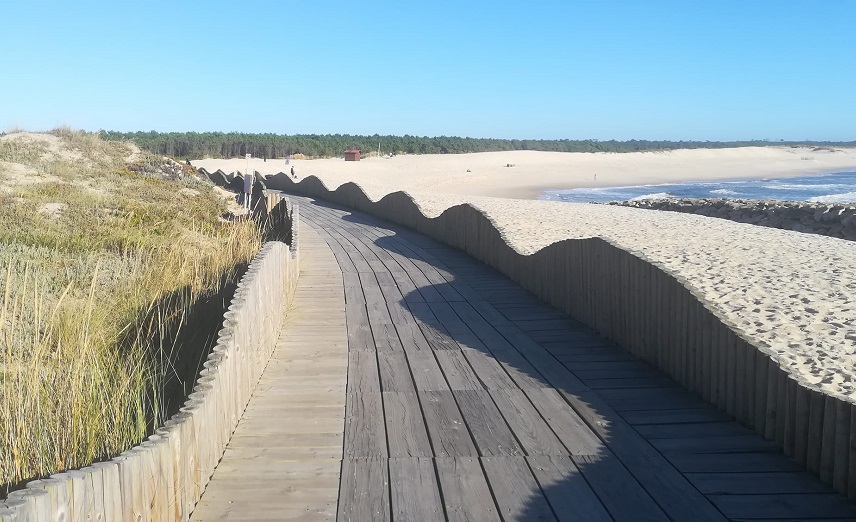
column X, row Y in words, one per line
column 793, row 292
column 535, row 172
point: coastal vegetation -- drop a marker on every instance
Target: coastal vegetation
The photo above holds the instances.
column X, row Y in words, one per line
column 196, row 145
column 113, row 281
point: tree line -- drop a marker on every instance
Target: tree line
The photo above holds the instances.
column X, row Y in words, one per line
column 196, row 145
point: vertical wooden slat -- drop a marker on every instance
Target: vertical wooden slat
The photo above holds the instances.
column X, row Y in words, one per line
column 38, row 503
column 841, row 458
column 782, row 408
column 816, row 421
column 790, row 404
column 827, row 442
column 759, row 393
column 111, row 489
column 771, row 411
column 801, row 423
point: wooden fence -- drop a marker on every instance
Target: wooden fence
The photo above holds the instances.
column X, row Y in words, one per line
column 163, row 478
column 654, row 314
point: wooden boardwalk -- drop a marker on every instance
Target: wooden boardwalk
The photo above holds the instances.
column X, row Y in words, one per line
column 469, row 399
column 284, row 459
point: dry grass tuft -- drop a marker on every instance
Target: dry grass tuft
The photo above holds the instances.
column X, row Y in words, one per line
column 97, row 301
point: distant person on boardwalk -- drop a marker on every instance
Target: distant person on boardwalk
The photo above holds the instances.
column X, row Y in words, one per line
column 293, row 175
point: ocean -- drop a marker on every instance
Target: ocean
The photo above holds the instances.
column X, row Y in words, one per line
column 838, row 187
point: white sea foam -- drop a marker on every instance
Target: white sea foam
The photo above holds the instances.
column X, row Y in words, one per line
column 656, row 195
column 789, row 186
column 847, row 197
column 724, row 192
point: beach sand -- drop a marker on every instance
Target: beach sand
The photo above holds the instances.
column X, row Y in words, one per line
column 487, row 173
column 790, row 291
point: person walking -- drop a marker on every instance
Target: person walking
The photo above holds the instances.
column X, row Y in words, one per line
column 248, row 190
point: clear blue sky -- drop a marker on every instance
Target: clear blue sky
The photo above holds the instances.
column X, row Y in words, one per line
column 621, row 69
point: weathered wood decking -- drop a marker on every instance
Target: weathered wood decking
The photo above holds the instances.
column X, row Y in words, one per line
column 468, row 399
column 284, row 459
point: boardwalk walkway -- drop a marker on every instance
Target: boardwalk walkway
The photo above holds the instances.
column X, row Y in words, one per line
column 469, row 399
column 284, row 459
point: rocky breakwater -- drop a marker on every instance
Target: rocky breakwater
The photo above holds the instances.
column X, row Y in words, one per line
column 814, row 218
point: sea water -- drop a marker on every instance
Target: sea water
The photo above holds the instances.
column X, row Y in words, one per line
column 839, row 187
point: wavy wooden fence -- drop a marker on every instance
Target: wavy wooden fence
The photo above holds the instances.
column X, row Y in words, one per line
column 652, row 313
column 163, row 478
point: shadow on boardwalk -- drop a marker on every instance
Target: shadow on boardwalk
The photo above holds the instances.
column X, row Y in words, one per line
column 531, row 415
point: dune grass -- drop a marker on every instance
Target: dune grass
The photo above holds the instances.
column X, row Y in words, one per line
column 101, row 270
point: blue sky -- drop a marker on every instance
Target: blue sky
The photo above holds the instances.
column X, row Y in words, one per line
column 663, row 69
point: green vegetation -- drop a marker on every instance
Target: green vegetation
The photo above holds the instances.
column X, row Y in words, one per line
column 196, row 145
column 112, row 287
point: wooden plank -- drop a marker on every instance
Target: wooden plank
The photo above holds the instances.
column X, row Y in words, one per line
column 515, row 489
column 551, row 324
column 470, row 341
column 629, row 383
column 364, row 423
column 465, row 491
column 789, row 506
column 407, row 288
column 436, row 337
column 579, row 338
column 647, row 403
column 371, row 288
column 570, row 496
column 733, row 463
column 484, row 309
column 411, row 337
column 364, row 490
column 400, row 313
column 702, row 429
column 360, row 262
column 608, row 366
column 524, row 375
column 725, row 444
column 405, row 426
column 449, row 435
column 602, row 374
column 388, row 286
column 359, row 333
column 449, row 319
column 523, row 418
column 352, row 279
column 426, row 372
column 486, row 424
column 756, row 483
column 458, row 371
column 415, row 490
column 425, row 288
column 394, row 372
column 354, row 295
column 622, row 496
column 564, row 421
column 601, row 356
column 489, row 371
column 691, row 416
column 523, row 314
